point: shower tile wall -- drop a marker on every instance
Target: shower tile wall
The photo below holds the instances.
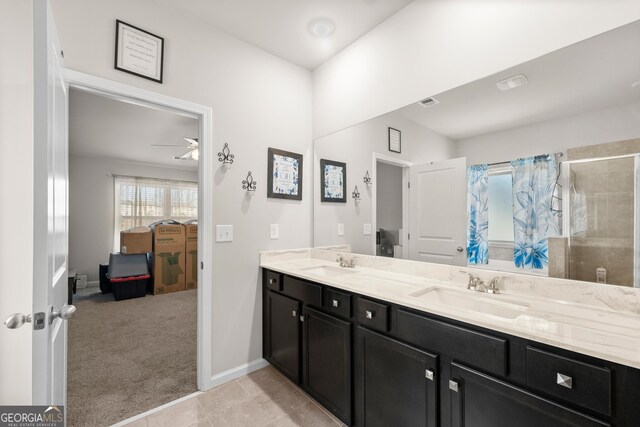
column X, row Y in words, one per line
column 602, row 220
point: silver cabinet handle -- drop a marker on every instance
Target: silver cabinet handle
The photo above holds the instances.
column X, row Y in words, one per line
column 428, row 374
column 459, row 249
column 564, row 380
column 272, row 281
column 453, row 385
column 369, row 314
column 294, row 313
column 335, row 303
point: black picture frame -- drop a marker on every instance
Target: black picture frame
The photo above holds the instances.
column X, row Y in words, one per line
column 120, row 67
column 324, row 184
column 272, row 152
column 391, row 130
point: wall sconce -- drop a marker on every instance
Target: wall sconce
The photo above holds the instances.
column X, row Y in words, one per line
column 249, row 184
column 367, row 178
column 356, row 193
column 225, row 155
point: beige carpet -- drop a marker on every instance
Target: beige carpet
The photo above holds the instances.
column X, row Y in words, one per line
column 126, row 357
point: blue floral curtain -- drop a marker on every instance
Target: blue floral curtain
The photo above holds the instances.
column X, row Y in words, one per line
column 534, row 219
column 478, row 214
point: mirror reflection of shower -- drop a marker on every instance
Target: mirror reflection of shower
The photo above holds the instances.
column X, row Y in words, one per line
column 600, row 242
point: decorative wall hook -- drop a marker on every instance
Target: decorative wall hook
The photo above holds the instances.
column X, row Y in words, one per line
column 225, row 155
column 249, row 184
column 356, row 193
column 367, row 178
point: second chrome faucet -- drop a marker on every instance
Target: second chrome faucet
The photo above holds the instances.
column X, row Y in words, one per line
column 477, row 284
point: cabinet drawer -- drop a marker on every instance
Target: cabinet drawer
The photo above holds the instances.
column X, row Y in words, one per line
column 486, row 352
column 337, row 302
column 306, row 292
column 274, row 281
column 374, row 315
column 578, row 382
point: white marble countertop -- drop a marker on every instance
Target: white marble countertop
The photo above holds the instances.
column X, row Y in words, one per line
column 532, row 312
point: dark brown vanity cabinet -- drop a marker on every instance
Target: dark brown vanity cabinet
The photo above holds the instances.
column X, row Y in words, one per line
column 480, row 400
column 396, row 384
column 282, row 334
column 374, row 363
column 310, row 345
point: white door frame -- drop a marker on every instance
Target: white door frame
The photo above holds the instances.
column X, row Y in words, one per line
column 131, row 94
column 404, row 164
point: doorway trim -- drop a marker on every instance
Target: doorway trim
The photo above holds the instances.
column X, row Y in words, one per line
column 131, row 94
column 405, row 165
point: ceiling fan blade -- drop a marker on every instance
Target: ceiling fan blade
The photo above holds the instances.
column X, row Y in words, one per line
column 186, row 156
column 192, row 141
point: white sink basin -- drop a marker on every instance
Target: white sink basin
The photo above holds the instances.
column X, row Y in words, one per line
column 492, row 305
column 328, row 271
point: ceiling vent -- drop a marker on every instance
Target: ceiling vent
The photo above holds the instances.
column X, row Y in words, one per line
column 512, row 82
column 428, row 102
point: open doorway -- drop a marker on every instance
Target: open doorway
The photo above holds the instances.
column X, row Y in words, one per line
column 132, row 345
column 390, row 206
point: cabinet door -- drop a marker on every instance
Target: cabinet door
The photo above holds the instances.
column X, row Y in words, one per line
column 327, row 361
column 396, row 384
column 282, row 346
column 483, row 401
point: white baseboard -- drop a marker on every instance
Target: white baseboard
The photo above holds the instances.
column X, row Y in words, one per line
column 236, row 372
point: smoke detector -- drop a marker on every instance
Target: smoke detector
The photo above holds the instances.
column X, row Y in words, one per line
column 428, row 102
column 512, row 82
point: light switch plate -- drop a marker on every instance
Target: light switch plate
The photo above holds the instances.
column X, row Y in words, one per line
column 224, row 233
column 274, row 231
column 340, row 229
column 367, row 230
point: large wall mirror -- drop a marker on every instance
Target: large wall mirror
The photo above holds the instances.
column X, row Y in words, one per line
column 531, row 170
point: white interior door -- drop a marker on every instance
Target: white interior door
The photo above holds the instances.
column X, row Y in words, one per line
column 51, row 177
column 438, row 212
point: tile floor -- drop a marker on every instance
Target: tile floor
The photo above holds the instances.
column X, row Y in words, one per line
column 262, row 398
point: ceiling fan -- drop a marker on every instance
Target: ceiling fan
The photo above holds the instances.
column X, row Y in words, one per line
column 193, row 153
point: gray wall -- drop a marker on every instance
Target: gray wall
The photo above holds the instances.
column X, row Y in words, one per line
column 258, row 101
column 91, row 204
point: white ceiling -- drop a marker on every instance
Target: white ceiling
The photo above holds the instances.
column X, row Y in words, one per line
column 589, row 75
column 280, row 26
column 106, row 128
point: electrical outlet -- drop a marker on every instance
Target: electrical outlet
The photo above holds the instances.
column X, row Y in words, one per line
column 340, row 229
column 367, row 230
column 274, row 231
column 224, row 233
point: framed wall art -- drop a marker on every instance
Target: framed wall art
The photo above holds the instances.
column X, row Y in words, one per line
column 395, row 140
column 285, row 175
column 333, row 182
column 139, row 52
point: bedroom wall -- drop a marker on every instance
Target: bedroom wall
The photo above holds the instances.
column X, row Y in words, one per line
column 91, row 206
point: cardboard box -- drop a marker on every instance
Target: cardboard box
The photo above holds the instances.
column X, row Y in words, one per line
column 135, row 241
column 191, row 252
column 168, row 263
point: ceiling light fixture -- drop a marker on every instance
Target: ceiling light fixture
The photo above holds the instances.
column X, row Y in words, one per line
column 512, row 82
column 321, row 27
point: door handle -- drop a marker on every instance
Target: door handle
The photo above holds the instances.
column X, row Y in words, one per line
column 16, row 320
column 66, row 312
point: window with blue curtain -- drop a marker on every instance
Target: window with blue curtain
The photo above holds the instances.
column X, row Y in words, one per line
column 477, row 214
column 534, row 219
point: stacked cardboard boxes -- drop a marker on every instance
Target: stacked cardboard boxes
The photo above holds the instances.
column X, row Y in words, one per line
column 191, row 253
column 135, row 241
column 168, row 261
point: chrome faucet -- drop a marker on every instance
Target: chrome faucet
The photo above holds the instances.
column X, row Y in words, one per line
column 475, row 283
column 493, row 284
column 344, row 262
